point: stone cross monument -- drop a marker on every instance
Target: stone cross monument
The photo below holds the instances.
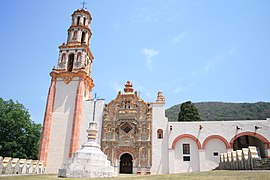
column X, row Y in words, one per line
column 89, row 161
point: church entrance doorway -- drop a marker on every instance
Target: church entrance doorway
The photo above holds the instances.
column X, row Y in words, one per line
column 245, row 141
column 126, row 164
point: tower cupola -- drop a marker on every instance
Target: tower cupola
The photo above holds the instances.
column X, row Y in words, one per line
column 75, row 55
column 79, row 32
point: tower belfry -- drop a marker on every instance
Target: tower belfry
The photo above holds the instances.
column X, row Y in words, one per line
column 69, row 92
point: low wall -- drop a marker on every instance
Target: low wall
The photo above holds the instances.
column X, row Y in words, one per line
column 245, row 159
column 9, row 165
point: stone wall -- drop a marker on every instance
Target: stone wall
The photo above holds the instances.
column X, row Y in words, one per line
column 10, row 165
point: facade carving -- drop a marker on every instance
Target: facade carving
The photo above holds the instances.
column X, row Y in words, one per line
column 127, row 123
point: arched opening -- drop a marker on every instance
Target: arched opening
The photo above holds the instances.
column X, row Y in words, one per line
column 78, row 20
column 63, row 58
column 186, row 153
column 126, row 164
column 160, row 134
column 84, row 21
column 70, row 62
column 79, row 57
column 246, row 140
column 75, row 35
column 83, row 38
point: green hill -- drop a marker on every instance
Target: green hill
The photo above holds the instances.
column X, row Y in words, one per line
column 219, row 111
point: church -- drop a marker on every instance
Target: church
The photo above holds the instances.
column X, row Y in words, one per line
column 135, row 135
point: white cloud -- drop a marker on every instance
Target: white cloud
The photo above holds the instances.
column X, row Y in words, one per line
column 149, row 54
column 146, row 15
column 211, row 64
column 178, row 38
column 116, row 86
column 179, row 89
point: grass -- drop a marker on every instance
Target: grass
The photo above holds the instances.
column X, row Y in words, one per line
column 211, row 175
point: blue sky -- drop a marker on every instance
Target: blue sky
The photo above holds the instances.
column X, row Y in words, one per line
column 190, row 49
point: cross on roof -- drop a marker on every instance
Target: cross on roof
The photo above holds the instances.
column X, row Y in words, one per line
column 84, row 3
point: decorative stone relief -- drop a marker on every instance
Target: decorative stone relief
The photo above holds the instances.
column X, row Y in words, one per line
column 131, row 118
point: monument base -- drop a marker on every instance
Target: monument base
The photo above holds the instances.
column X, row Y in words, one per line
column 88, row 162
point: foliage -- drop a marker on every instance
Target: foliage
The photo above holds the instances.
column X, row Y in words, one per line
column 19, row 136
column 219, row 111
column 188, row 112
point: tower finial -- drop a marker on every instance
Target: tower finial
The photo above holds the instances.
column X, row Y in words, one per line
column 83, row 4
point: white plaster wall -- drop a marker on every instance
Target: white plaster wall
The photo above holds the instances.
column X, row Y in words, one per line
column 186, row 166
column 87, row 116
column 226, row 129
column 61, row 128
column 160, row 164
column 211, row 161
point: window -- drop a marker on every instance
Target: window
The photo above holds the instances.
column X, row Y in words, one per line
column 160, row 134
column 186, row 158
column 186, row 148
column 126, row 127
column 215, row 154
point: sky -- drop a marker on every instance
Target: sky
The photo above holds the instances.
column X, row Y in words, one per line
column 189, row 49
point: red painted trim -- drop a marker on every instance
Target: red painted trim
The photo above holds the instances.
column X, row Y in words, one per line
column 75, row 136
column 46, row 130
column 186, row 136
column 254, row 134
column 216, row 137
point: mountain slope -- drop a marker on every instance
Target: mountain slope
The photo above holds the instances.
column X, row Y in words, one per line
column 219, row 111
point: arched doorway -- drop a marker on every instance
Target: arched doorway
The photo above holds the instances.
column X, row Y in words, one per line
column 126, row 164
column 246, row 140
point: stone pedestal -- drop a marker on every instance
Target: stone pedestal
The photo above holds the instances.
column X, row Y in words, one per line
column 15, row 165
column 22, row 165
column 29, row 166
column 88, row 162
column 7, row 168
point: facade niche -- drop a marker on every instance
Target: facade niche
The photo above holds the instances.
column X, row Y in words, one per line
column 160, row 134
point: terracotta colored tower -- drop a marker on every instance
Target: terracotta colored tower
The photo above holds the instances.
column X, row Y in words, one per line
column 71, row 87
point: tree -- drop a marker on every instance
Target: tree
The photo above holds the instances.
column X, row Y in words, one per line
column 19, row 135
column 188, row 112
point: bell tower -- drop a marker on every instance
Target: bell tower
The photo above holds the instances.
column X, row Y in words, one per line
column 67, row 110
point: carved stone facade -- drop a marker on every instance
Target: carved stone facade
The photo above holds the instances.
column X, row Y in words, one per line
column 127, row 129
